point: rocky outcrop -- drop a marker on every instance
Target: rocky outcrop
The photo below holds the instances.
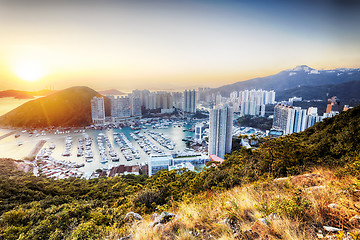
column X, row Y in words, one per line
column 129, row 237
column 131, row 216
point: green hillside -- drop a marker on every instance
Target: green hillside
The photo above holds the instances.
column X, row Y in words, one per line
column 211, row 202
column 66, row 108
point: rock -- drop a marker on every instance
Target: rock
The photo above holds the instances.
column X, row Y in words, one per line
column 129, row 237
column 355, row 220
column 333, row 206
column 272, row 217
column 305, row 179
column 315, row 188
column 281, row 179
column 158, row 227
column 154, row 216
column 331, row 229
column 163, row 218
column 166, row 217
column 260, row 226
column 131, row 216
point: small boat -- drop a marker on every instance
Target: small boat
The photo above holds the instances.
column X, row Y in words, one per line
column 19, row 143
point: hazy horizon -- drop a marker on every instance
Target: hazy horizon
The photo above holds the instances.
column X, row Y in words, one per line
column 170, row 44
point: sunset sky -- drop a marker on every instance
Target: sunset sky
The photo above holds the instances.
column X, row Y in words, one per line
column 170, row 44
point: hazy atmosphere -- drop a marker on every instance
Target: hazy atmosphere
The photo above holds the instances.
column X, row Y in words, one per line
column 170, row 44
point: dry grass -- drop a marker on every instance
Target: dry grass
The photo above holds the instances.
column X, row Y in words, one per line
column 220, row 216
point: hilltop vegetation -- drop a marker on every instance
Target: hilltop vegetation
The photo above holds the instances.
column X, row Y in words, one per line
column 67, row 108
column 210, row 203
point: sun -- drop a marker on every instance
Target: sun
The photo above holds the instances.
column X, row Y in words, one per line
column 29, row 71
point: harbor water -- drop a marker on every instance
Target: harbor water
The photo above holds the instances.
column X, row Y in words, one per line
column 21, row 146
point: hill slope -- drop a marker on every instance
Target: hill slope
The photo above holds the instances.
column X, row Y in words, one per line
column 288, row 79
column 346, row 92
column 69, row 107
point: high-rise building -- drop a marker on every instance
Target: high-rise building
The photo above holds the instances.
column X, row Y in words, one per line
column 178, row 99
column 199, row 132
column 190, row 101
column 120, row 108
column 98, row 110
column 252, row 102
column 291, row 119
column 135, row 106
column 220, row 131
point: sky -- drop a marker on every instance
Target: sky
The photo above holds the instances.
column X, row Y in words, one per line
column 170, row 44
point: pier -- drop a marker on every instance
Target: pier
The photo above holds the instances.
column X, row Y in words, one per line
column 6, row 135
column 36, row 149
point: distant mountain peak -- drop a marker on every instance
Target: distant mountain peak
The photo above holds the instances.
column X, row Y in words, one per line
column 111, row 92
column 301, row 68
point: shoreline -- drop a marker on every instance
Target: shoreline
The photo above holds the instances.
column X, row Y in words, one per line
column 7, row 135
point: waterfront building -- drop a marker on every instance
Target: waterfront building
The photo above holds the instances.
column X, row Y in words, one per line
column 220, row 131
column 199, row 128
column 178, row 99
column 151, row 101
column 135, row 106
column 190, row 101
column 182, row 165
column 120, row 108
column 98, row 110
column 161, row 162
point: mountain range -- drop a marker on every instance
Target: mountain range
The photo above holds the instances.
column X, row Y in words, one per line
column 25, row 94
column 293, row 78
column 111, row 92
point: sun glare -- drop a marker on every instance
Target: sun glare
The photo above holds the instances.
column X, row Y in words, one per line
column 29, row 71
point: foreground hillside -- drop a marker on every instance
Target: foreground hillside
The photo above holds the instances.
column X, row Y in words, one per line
column 67, row 108
column 252, row 189
column 303, row 207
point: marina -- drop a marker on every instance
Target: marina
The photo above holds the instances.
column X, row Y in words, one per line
column 90, row 150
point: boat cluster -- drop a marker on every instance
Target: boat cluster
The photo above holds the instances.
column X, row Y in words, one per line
column 68, row 145
column 106, row 155
column 84, row 148
column 147, row 146
column 45, row 154
column 126, row 147
column 162, row 139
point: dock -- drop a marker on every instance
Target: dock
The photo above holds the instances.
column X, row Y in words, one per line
column 6, row 135
column 36, row 149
